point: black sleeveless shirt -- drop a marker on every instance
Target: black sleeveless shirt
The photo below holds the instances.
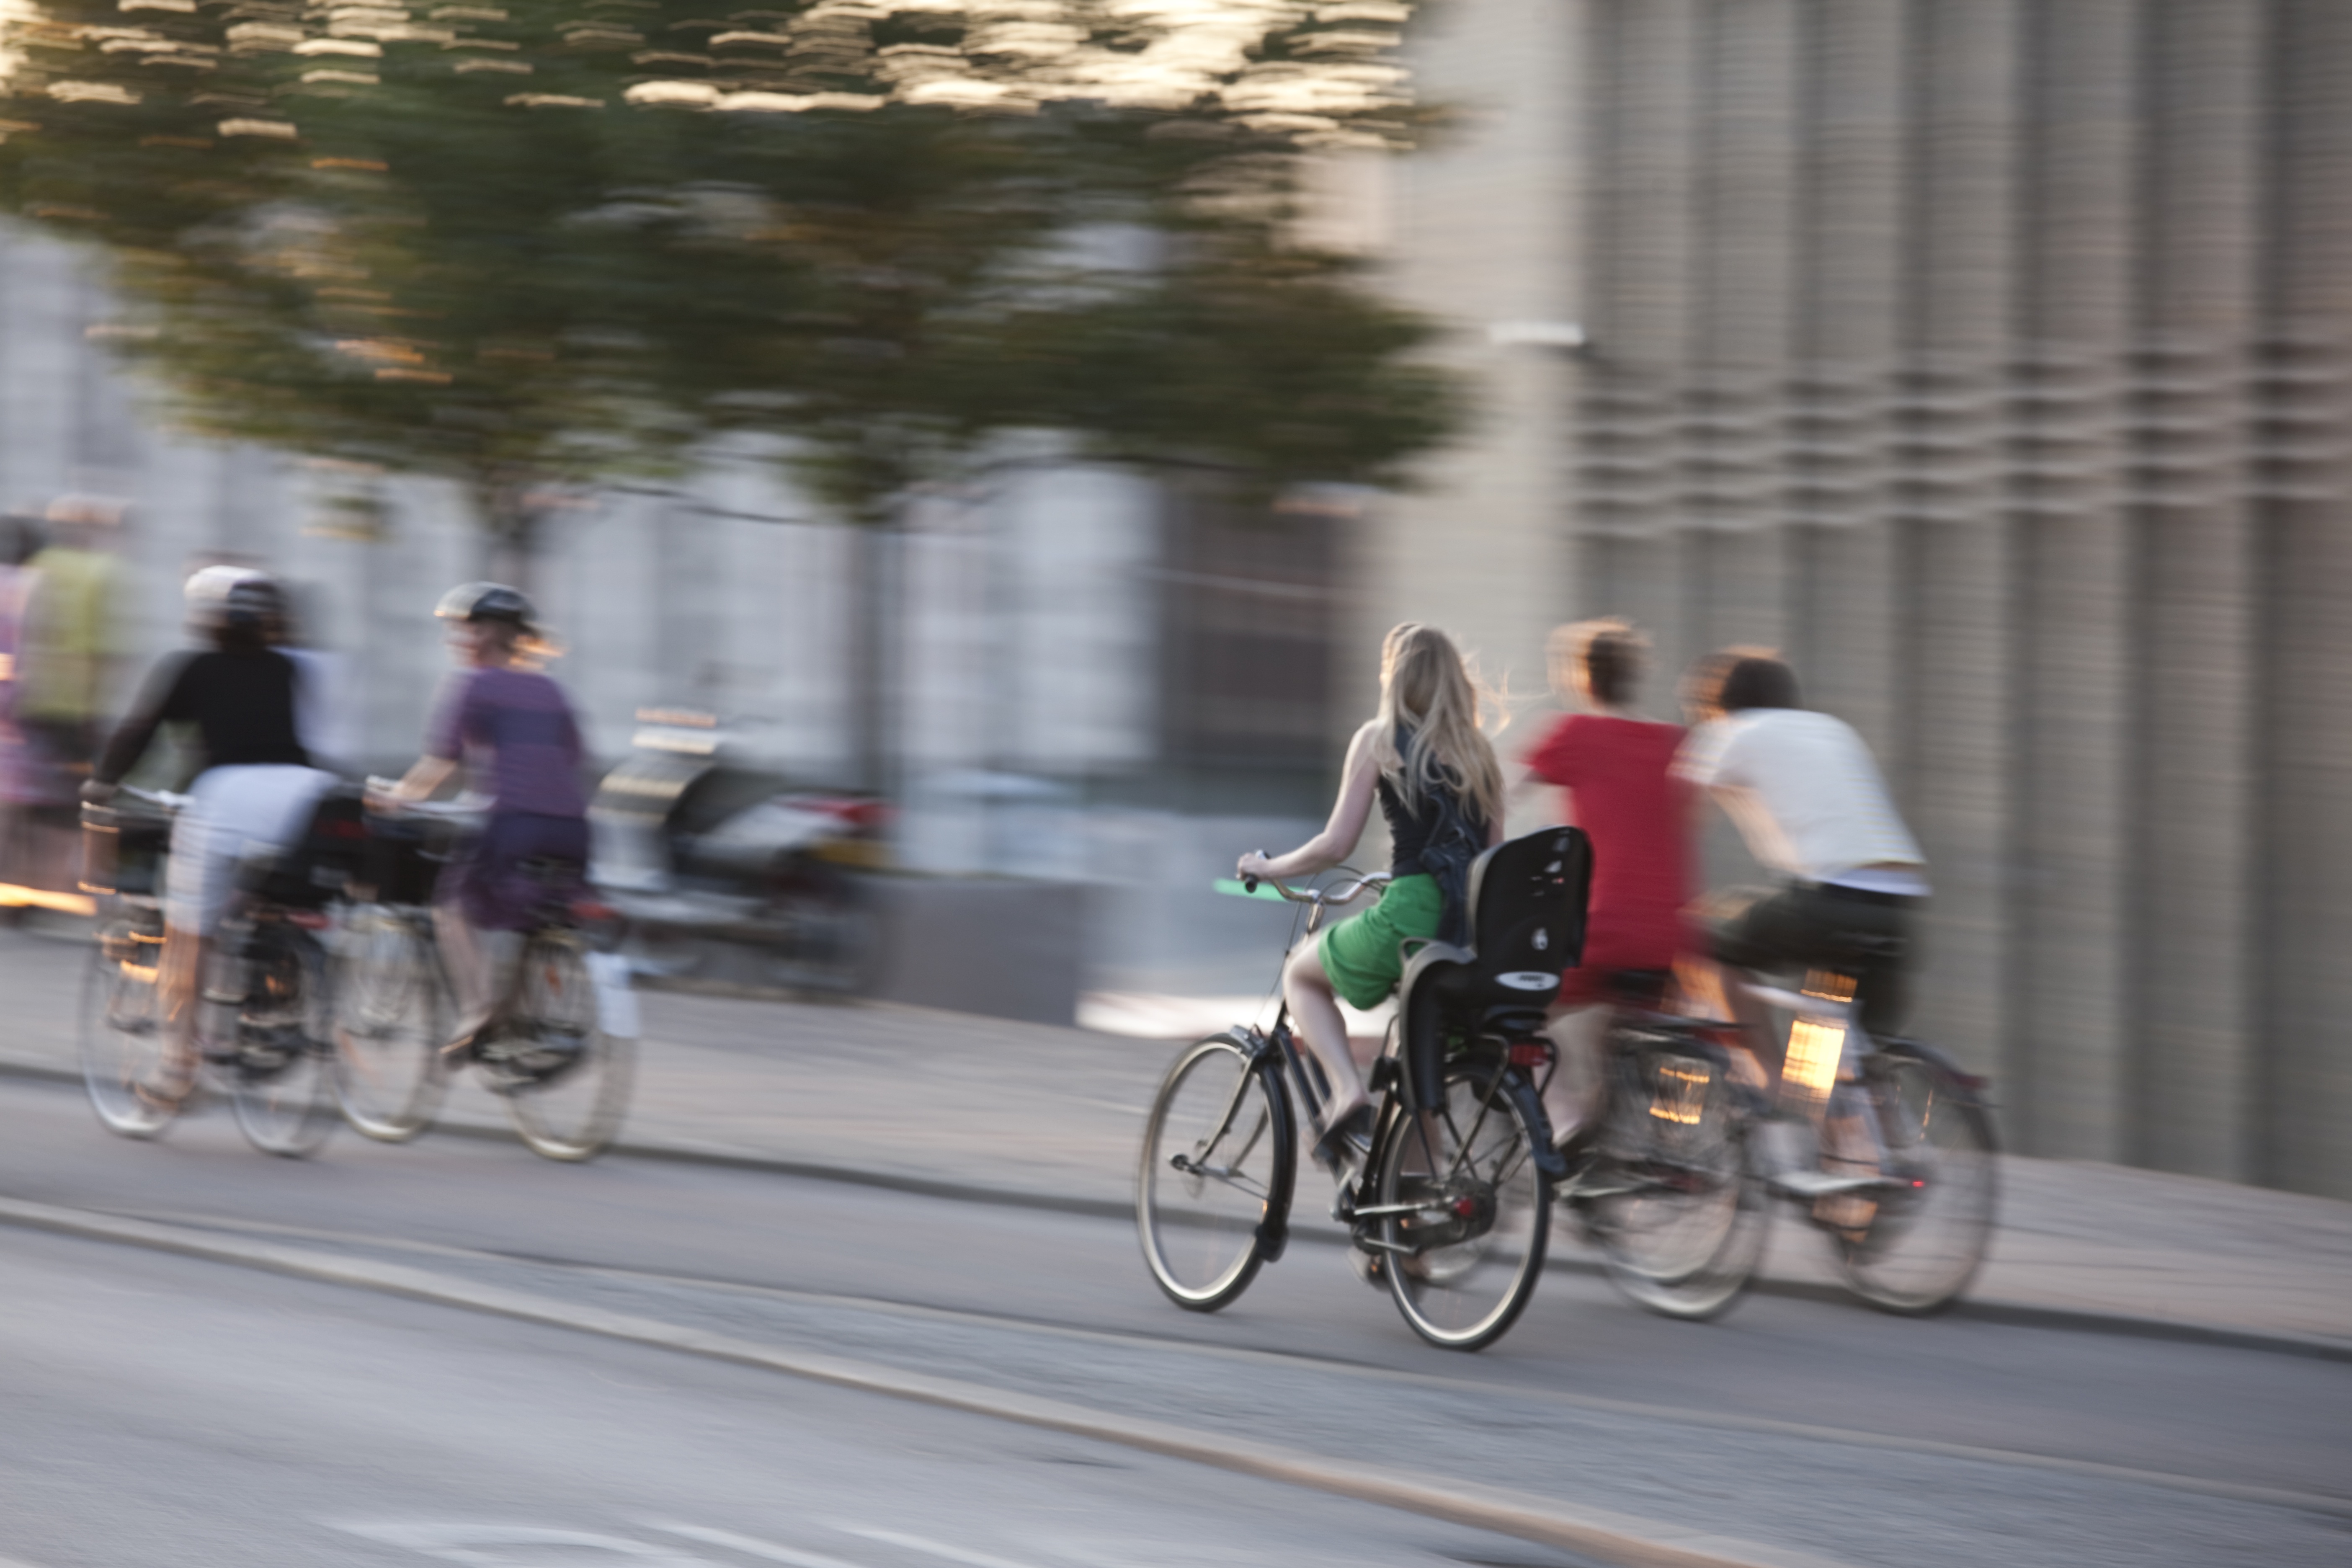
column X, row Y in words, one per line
column 1411, row 831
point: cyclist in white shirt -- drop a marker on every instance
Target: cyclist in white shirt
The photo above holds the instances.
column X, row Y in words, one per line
column 1809, row 799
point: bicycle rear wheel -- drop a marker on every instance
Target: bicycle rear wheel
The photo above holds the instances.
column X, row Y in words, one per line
column 282, row 1084
column 1463, row 1212
column 1670, row 1196
column 122, row 1045
column 565, row 1080
column 1216, row 1168
column 1927, row 1228
column 390, row 1027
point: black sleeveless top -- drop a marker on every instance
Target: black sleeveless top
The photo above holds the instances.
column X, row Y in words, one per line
column 1410, row 831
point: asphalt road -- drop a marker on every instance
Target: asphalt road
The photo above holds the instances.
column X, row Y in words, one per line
column 156, row 1410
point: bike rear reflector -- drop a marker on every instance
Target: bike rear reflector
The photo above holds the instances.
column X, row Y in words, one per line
column 590, row 909
column 311, row 920
column 1531, row 1054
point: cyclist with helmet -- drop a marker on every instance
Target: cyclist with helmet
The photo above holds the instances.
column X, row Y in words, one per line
column 255, row 787
column 513, row 729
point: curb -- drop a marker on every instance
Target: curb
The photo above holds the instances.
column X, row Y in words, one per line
column 2015, row 1314
column 1617, row 1537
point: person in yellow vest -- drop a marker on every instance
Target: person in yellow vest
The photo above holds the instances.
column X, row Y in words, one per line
column 69, row 652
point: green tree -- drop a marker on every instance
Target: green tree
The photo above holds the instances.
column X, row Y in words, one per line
column 537, row 243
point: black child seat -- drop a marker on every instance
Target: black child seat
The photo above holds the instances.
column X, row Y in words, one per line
column 1527, row 901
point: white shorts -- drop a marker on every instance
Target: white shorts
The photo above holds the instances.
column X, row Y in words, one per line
column 237, row 812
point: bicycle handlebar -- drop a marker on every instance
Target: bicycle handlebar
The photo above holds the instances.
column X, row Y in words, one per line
column 467, row 807
column 168, row 799
column 1329, row 897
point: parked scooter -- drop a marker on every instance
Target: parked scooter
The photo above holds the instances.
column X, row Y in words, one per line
column 725, row 873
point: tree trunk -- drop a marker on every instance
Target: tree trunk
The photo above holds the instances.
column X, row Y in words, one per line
column 508, row 513
column 874, row 562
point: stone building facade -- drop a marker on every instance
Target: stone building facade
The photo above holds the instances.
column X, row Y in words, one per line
column 1990, row 358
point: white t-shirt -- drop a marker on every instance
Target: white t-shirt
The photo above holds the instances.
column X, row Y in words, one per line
column 1805, row 793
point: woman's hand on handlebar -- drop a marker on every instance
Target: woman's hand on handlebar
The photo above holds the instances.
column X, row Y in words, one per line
column 1254, row 867
column 96, row 791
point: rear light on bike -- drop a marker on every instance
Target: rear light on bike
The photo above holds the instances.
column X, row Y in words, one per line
column 311, row 920
column 1531, row 1054
column 590, row 911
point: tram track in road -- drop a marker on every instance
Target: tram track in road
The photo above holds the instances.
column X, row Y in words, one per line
column 360, row 1245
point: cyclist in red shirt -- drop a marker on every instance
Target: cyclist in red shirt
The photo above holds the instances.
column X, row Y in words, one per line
column 1615, row 774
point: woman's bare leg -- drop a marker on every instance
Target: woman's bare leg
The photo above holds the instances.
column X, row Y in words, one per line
column 176, row 975
column 1315, row 1013
column 472, row 979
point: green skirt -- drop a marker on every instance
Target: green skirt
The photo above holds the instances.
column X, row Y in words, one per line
column 1361, row 955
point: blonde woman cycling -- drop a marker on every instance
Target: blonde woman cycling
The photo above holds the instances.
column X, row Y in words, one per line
column 1424, row 758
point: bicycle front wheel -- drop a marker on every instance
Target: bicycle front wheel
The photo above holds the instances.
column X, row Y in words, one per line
column 1930, row 1221
column 1670, row 1196
column 1216, row 1169
column 282, row 1083
column 565, row 1080
column 122, row 1045
column 1463, row 1212
column 390, row 1074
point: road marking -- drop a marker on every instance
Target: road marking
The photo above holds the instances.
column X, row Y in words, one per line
column 1723, row 1421
column 1596, row 1532
column 748, row 1545
column 478, row 1545
column 935, row 1548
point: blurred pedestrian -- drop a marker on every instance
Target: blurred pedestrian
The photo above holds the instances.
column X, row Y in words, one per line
column 69, row 652
column 1615, row 771
column 20, row 538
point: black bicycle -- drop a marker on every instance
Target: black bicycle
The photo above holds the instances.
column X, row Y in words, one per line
column 555, row 1055
column 1452, row 1209
column 264, row 1000
column 1885, row 1146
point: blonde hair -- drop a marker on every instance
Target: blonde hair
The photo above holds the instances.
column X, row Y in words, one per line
column 1426, row 688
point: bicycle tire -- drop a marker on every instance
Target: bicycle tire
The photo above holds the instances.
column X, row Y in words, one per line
column 1463, row 1262
column 281, row 1082
column 121, row 1043
column 1678, row 1209
column 1938, row 1140
column 390, row 1027
column 1204, row 1224
column 565, row 1080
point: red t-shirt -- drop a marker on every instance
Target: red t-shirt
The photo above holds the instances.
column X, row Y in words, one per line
column 1617, row 773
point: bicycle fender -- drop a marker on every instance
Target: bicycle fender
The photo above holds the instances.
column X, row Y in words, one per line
column 1976, row 1089
column 616, row 1002
column 1546, row 1158
column 1273, row 1236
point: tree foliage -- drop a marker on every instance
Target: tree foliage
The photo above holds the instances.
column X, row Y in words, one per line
column 531, row 241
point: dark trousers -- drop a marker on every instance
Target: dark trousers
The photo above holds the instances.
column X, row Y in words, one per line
column 1810, row 926
column 491, row 882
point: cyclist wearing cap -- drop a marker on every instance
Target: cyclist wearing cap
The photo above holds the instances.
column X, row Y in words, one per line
column 255, row 787
column 513, row 729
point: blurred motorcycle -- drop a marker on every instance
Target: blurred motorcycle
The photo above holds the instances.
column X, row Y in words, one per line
column 725, row 873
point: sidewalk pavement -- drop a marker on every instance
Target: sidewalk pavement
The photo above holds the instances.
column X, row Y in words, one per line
column 1019, row 1112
